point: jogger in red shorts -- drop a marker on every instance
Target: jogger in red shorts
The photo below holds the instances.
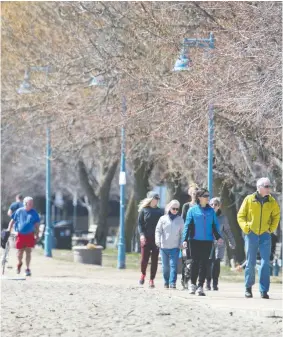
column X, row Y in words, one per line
column 26, row 221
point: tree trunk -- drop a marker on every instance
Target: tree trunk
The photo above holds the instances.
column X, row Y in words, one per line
column 174, row 188
column 92, row 197
column 99, row 200
column 104, row 190
column 142, row 172
column 130, row 221
column 230, row 210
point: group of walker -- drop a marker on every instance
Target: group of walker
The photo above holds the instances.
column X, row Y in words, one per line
column 200, row 233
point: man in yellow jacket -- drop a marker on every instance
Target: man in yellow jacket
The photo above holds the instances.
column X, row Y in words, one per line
column 258, row 217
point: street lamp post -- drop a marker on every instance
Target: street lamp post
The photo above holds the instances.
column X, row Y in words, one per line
column 48, row 230
column 184, row 63
column 210, row 148
column 26, row 88
column 75, row 204
column 122, row 182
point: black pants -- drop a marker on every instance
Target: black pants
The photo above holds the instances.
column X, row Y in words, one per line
column 213, row 270
column 200, row 251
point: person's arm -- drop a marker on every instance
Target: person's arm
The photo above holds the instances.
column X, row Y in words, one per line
column 184, row 211
column 275, row 218
column 11, row 225
column 242, row 216
column 188, row 224
column 11, row 209
column 141, row 224
column 228, row 233
column 36, row 231
column 158, row 233
column 181, row 233
column 216, row 229
column 243, row 265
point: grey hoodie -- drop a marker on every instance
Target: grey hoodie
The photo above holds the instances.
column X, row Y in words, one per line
column 225, row 232
column 168, row 233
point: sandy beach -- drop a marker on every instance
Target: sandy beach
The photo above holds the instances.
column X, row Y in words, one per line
column 71, row 300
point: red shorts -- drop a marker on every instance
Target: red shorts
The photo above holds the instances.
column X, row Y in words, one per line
column 25, row 241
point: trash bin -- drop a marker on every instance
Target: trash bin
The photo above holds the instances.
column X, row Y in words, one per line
column 63, row 232
column 82, row 254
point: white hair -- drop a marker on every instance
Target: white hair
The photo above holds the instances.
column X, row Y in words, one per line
column 261, row 181
column 171, row 204
column 215, row 199
column 26, row 200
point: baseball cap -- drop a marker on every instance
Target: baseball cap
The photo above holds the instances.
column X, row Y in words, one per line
column 152, row 195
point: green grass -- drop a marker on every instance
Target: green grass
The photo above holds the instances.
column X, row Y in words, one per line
column 109, row 259
column 234, row 276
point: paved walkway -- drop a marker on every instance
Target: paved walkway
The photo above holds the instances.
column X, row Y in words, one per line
column 78, row 293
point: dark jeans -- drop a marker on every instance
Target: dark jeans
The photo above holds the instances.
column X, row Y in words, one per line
column 149, row 248
column 200, row 251
column 213, row 270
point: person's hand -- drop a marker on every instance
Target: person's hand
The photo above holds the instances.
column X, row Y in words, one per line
column 239, row 268
column 36, row 237
column 185, row 244
column 232, row 246
column 220, row 241
column 142, row 239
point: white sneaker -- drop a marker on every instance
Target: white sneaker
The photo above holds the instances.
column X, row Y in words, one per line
column 192, row 289
column 200, row 291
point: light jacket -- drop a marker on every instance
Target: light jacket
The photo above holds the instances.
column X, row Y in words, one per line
column 201, row 224
column 258, row 216
column 226, row 234
column 168, row 233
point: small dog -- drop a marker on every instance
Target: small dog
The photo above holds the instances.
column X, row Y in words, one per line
column 186, row 268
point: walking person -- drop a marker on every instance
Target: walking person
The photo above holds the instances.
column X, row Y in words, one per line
column 201, row 228
column 168, row 237
column 192, row 200
column 16, row 205
column 218, row 250
column 185, row 253
column 26, row 221
column 149, row 215
column 258, row 217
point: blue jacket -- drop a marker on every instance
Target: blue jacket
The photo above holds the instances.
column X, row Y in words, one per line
column 201, row 224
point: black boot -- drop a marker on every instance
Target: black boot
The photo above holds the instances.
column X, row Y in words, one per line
column 248, row 293
column 264, row 294
column 207, row 285
column 215, row 284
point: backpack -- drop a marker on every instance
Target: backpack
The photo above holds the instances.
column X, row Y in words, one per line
column 4, row 238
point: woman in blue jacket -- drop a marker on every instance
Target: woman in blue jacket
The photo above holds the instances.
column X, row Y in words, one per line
column 200, row 231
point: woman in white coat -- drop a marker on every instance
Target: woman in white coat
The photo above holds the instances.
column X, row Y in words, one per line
column 168, row 237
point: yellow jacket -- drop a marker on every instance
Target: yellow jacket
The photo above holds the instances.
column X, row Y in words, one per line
column 258, row 218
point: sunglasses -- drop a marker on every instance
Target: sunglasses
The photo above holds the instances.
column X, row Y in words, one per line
column 214, row 205
column 175, row 209
column 205, row 196
column 156, row 198
column 266, row 186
